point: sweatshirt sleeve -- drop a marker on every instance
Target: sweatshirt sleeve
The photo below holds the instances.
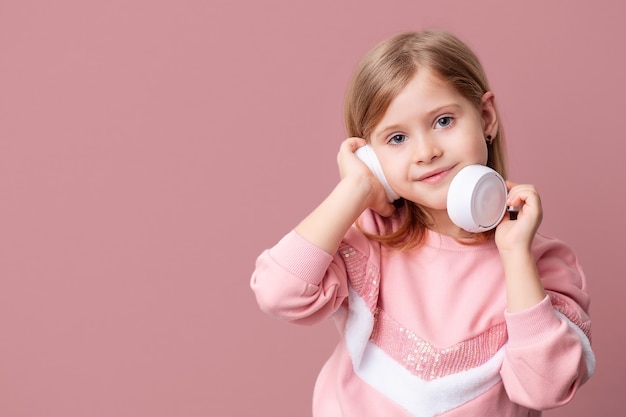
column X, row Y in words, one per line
column 548, row 355
column 299, row 282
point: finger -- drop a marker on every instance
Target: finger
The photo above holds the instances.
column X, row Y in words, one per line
column 348, row 147
column 523, row 194
column 510, row 184
column 352, row 144
column 512, row 206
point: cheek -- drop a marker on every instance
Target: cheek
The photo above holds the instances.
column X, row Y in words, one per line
column 484, row 156
column 394, row 168
column 479, row 151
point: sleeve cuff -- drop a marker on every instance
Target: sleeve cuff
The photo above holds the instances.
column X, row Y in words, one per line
column 301, row 258
column 531, row 325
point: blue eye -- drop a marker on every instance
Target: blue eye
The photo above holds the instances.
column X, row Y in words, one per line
column 396, row 139
column 444, row 121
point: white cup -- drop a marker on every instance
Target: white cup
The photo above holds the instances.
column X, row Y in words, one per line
column 477, row 198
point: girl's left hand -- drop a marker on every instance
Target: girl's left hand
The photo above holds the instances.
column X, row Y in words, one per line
column 512, row 235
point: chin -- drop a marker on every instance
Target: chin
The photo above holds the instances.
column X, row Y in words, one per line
column 432, row 207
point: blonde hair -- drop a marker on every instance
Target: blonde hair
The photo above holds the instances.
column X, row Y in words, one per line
column 379, row 78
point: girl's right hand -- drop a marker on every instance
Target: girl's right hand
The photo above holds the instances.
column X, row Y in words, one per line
column 350, row 166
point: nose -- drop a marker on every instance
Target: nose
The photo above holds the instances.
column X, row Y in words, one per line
column 427, row 149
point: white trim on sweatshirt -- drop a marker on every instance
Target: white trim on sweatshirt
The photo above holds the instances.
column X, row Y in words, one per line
column 419, row 397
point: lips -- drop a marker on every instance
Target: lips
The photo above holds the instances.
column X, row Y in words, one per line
column 436, row 175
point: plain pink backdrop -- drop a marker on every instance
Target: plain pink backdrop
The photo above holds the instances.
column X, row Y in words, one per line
column 151, row 149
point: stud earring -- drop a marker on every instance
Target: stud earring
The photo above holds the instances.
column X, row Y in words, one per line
column 489, row 140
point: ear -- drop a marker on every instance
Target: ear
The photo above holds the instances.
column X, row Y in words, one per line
column 489, row 114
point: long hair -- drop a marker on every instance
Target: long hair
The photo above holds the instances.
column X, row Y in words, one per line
column 379, row 78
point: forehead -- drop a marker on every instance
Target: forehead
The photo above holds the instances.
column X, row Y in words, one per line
column 425, row 92
column 425, row 88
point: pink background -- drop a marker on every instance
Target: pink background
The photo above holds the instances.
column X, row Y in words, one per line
column 151, row 149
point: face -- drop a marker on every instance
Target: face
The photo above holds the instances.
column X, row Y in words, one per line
column 427, row 135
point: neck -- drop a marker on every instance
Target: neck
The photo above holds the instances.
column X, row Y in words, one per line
column 440, row 222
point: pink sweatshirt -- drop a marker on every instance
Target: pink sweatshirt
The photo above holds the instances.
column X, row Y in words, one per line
column 425, row 333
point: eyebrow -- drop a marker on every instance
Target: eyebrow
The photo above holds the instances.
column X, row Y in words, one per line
column 430, row 114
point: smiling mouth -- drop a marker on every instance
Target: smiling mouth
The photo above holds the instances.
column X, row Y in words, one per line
column 436, row 176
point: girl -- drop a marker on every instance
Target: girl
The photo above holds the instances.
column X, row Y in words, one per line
column 434, row 321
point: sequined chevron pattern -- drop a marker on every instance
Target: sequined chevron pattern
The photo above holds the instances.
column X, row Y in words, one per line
column 416, row 355
column 364, row 276
column 427, row 361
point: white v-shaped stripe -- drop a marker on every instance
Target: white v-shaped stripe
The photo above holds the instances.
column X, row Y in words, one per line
column 590, row 358
column 419, row 397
